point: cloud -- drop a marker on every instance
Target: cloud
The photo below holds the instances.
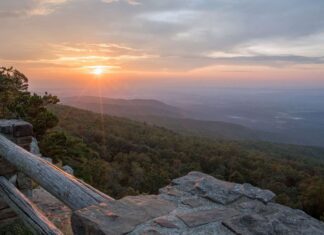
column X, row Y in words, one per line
column 45, row 7
column 179, row 16
column 164, row 35
column 131, row 2
column 27, row 8
column 80, row 56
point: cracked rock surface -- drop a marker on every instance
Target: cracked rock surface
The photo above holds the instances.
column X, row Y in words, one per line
column 206, row 205
column 197, row 204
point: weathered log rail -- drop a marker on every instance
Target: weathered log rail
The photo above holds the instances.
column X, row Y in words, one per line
column 31, row 215
column 73, row 192
column 68, row 189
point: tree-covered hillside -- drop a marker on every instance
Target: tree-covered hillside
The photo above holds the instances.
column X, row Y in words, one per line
column 176, row 119
column 123, row 157
column 184, row 120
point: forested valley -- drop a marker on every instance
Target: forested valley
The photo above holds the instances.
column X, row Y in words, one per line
column 123, row 157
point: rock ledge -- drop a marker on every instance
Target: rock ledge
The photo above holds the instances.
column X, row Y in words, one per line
column 198, row 204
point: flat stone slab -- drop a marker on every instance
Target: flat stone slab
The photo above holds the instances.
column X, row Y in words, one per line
column 197, row 218
column 219, row 191
column 253, row 192
column 208, row 229
column 215, row 228
column 119, row 217
column 194, row 202
column 153, row 205
column 274, row 219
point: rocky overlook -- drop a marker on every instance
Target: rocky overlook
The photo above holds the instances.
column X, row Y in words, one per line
column 198, row 204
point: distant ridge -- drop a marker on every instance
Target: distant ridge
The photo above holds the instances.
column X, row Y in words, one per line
column 124, row 107
column 158, row 113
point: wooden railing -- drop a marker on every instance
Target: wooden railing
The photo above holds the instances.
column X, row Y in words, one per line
column 27, row 211
column 71, row 191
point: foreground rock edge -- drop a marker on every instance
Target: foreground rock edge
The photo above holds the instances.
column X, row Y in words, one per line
column 196, row 204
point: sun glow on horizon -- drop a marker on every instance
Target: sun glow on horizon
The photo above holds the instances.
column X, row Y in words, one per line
column 98, row 70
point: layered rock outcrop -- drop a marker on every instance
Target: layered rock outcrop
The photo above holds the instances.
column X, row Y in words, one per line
column 197, row 204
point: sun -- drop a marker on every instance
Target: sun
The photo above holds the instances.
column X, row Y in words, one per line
column 98, row 70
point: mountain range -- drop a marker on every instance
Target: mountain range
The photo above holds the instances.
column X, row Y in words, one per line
column 157, row 113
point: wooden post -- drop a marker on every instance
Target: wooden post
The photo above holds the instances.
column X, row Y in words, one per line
column 25, row 209
column 74, row 193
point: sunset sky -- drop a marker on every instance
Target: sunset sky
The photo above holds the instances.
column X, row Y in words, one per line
column 127, row 43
